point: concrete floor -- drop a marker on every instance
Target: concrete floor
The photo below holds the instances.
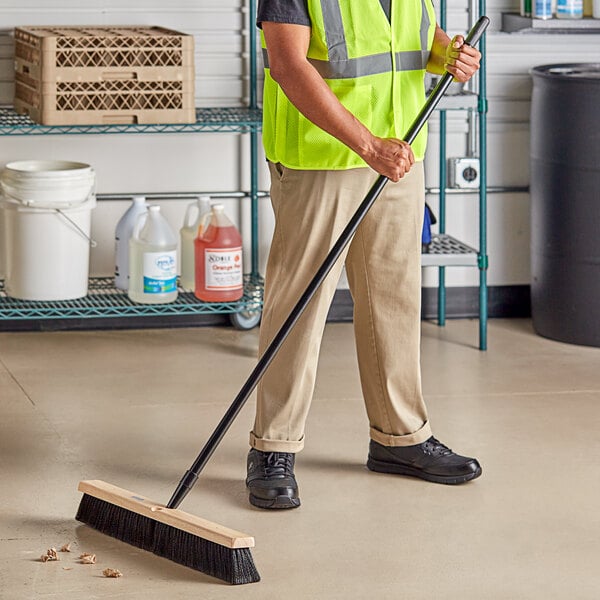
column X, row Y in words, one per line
column 134, row 407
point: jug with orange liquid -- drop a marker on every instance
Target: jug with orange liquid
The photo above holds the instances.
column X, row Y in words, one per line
column 218, row 259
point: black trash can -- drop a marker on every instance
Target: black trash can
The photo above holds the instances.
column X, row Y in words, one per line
column 565, row 202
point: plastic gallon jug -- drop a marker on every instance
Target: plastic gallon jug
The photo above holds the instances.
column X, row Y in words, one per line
column 569, row 9
column 152, row 260
column 122, row 234
column 219, row 271
column 541, row 9
column 188, row 234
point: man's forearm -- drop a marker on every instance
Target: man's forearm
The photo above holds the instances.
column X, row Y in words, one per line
column 309, row 93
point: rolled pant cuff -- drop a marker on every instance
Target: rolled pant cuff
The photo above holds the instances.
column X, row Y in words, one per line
column 412, row 439
column 265, row 445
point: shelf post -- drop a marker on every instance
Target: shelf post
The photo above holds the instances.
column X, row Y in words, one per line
column 483, row 257
column 442, row 219
column 253, row 140
column 442, row 207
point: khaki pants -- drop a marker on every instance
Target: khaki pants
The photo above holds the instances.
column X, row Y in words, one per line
column 383, row 267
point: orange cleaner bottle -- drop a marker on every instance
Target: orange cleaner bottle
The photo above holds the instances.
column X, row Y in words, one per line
column 218, row 259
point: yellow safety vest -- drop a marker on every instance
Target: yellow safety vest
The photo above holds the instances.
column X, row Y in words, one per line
column 374, row 67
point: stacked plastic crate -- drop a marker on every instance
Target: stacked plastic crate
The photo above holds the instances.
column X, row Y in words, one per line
column 104, row 75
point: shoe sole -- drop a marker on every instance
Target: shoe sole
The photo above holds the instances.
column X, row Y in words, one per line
column 386, row 467
column 281, row 502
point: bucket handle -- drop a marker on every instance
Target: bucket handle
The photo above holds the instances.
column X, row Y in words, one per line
column 92, row 242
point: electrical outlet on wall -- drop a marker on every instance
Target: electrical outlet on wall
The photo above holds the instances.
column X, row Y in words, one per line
column 463, row 172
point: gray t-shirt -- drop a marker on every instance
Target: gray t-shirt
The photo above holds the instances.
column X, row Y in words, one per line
column 293, row 11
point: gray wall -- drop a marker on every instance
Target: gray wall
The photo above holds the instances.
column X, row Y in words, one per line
column 219, row 162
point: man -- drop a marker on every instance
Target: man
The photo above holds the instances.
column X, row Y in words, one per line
column 343, row 82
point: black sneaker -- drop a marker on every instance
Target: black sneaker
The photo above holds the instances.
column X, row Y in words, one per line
column 430, row 460
column 271, row 482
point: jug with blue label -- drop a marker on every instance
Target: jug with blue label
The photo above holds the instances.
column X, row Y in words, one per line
column 152, row 260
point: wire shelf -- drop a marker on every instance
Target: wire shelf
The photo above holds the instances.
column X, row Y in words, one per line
column 222, row 119
column 104, row 300
column 445, row 250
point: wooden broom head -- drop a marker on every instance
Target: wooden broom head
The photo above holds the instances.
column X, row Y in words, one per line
column 179, row 519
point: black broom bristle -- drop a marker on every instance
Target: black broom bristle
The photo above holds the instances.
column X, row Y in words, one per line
column 120, row 523
column 233, row 565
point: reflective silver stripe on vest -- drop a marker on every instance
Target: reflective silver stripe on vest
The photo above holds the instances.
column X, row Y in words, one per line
column 337, row 50
column 339, row 66
column 425, row 23
column 412, row 61
column 353, row 67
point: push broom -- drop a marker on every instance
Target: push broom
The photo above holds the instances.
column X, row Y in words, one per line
column 182, row 537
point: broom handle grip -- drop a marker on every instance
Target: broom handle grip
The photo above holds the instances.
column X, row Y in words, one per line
column 191, row 475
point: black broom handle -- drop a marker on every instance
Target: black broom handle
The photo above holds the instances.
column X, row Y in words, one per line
column 191, row 475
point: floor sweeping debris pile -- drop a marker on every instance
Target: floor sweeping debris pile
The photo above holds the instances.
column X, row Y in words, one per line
column 85, row 558
column 50, row 555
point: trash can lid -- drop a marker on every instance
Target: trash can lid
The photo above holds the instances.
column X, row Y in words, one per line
column 589, row 71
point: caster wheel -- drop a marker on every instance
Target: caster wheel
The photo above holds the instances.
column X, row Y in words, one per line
column 245, row 320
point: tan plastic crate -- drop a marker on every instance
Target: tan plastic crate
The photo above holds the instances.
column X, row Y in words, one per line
column 40, row 75
column 106, row 102
column 99, row 75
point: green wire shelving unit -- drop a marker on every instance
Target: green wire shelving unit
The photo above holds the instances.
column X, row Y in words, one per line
column 445, row 250
column 103, row 299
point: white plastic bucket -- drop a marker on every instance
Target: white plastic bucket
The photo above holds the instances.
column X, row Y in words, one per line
column 47, row 207
column 47, row 183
